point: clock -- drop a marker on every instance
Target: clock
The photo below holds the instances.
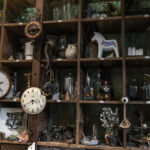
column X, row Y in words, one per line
column 33, row 101
column 5, row 83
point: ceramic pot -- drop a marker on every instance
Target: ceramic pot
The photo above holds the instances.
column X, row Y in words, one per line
column 71, row 51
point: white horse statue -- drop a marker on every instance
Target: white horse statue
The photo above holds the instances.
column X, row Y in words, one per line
column 105, row 45
column 32, row 147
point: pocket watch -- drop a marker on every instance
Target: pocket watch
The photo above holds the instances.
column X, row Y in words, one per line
column 5, row 83
column 33, row 101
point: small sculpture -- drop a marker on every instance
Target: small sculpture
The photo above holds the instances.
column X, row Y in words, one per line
column 105, row 45
column 71, row 51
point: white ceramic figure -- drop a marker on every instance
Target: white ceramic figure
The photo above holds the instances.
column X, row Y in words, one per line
column 32, row 147
column 71, row 51
column 105, row 45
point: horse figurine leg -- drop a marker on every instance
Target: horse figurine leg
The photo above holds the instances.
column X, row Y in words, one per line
column 100, row 51
column 116, row 49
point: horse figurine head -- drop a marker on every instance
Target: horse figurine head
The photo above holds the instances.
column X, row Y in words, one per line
column 97, row 37
column 32, row 147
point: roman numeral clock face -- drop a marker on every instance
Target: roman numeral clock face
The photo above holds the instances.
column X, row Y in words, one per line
column 33, row 101
column 5, row 83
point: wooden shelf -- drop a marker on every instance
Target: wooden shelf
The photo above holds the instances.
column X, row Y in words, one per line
column 94, row 62
column 138, row 60
column 61, row 101
column 62, row 62
column 14, row 24
column 78, row 146
column 138, row 102
column 12, row 142
column 98, row 19
column 99, row 102
column 17, row 63
column 60, row 21
column 9, row 100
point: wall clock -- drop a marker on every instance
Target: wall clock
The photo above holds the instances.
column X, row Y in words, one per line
column 5, row 83
column 33, row 29
column 33, row 101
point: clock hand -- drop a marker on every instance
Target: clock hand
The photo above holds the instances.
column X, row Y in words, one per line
column 32, row 101
column 1, row 82
column 1, row 90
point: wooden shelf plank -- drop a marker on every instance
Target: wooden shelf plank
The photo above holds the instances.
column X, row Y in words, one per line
column 58, row 144
column 138, row 60
column 9, row 100
column 14, row 24
column 60, row 21
column 94, row 62
column 137, row 102
column 12, row 142
column 17, row 63
column 98, row 19
column 61, row 101
column 100, row 102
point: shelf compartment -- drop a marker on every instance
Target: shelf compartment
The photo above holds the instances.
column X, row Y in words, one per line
column 17, row 64
column 99, row 102
column 61, row 26
column 95, row 62
column 62, row 62
column 137, row 23
column 16, row 10
column 78, row 146
column 108, row 25
column 12, row 142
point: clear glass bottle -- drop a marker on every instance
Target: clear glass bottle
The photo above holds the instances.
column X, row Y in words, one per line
column 98, row 86
column 144, row 91
column 88, row 89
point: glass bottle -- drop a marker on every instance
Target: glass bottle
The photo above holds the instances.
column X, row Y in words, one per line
column 133, row 90
column 106, row 90
column 144, row 90
column 97, row 86
column 88, row 90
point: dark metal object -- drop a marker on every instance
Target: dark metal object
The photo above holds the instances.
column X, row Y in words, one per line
column 62, row 45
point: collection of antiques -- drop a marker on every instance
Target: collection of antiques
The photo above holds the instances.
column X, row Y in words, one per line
column 97, row 88
column 139, row 89
column 102, row 9
column 59, row 133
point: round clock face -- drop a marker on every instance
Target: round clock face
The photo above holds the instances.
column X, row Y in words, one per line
column 33, row 101
column 5, row 83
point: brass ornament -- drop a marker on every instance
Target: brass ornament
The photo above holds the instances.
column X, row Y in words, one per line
column 33, row 29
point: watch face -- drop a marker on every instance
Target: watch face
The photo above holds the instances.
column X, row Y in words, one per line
column 4, row 83
column 33, row 101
